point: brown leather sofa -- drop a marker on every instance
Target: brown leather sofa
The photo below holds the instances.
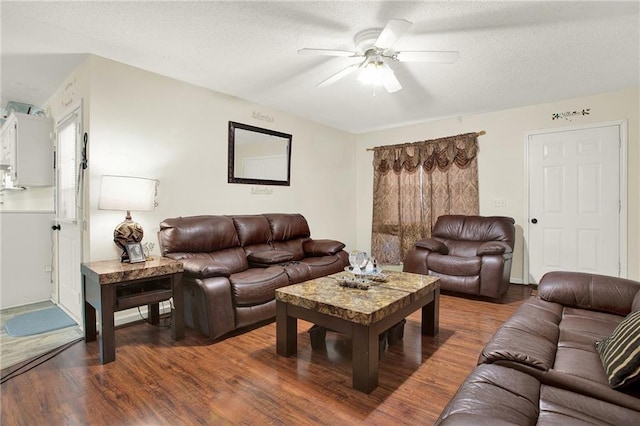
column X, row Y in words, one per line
column 234, row 264
column 542, row 367
column 470, row 254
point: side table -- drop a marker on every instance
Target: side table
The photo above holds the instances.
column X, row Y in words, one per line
column 110, row 286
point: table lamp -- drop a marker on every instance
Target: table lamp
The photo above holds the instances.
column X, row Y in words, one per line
column 127, row 193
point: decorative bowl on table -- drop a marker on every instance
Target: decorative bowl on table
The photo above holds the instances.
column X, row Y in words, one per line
column 354, row 282
column 375, row 274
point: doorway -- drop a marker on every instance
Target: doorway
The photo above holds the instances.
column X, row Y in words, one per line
column 576, row 203
column 68, row 193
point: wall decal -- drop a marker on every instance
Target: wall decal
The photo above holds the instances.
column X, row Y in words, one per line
column 262, row 117
column 567, row 115
column 255, row 190
column 68, row 93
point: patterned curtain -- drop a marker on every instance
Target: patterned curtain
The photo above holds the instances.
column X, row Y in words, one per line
column 414, row 184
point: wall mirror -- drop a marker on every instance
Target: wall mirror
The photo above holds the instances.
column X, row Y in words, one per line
column 259, row 156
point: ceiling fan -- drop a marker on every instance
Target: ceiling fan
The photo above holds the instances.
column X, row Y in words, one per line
column 376, row 47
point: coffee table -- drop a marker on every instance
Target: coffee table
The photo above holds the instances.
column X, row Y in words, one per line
column 361, row 314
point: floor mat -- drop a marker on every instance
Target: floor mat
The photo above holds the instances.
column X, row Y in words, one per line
column 38, row 322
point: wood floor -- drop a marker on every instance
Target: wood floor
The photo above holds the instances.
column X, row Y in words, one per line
column 14, row 350
column 241, row 380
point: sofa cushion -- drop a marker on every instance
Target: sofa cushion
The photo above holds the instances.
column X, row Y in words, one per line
column 432, row 245
column 235, row 258
column 204, row 268
column 197, row 234
column 620, row 353
column 321, row 247
column 579, row 330
column 461, row 248
column 257, row 285
column 589, row 291
column 476, row 228
column 297, row 272
column 269, row 257
column 496, row 395
column 252, row 229
column 286, row 226
column 292, row 246
column 493, row 247
column 325, row 265
column 454, row 265
column 528, row 337
column 256, row 248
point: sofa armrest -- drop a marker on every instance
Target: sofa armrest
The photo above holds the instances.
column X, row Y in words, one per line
column 321, row 247
column 204, row 268
column 589, row 291
column 264, row 259
column 494, row 247
column 432, row 245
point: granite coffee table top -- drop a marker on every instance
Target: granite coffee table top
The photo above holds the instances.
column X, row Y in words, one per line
column 325, row 295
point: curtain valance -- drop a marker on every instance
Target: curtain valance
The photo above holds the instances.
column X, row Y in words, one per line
column 440, row 153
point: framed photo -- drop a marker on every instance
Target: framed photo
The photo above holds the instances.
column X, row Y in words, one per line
column 135, row 252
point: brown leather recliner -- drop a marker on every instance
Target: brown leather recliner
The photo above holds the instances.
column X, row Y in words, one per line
column 470, row 254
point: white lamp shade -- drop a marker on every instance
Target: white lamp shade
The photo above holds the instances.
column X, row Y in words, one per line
column 127, row 193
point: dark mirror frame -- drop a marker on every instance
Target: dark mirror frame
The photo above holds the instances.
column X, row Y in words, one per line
column 254, row 181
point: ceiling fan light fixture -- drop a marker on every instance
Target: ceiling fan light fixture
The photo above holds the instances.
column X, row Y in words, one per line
column 376, row 47
column 378, row 73
column 371, row 74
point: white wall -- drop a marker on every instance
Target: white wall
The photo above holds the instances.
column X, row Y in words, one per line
column 501, row 160
column 143, row 124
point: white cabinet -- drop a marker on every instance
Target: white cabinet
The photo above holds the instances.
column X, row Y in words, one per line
column 27, row 150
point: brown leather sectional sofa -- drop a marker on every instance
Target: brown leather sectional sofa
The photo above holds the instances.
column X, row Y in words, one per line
column 234, row 264
column 542, row 367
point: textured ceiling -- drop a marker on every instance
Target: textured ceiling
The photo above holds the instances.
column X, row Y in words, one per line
column 512, row 53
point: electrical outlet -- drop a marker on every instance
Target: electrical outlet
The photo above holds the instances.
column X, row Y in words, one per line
column 499, row 202
column 47, row 268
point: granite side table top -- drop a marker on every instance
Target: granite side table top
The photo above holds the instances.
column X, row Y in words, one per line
column 366, row 307
column 114, row 271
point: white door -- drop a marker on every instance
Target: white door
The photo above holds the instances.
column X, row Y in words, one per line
column 68, row 212
column 575, row 201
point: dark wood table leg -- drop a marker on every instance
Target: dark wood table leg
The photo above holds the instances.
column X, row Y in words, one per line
column 286, row 331
column 90, row 330
column 365, row 358
column 90, row 291
column 177, row 323
column 107, row 337
column 154, row 313
column 431, row 315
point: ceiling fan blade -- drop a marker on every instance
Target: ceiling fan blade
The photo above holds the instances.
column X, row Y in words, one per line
column 327, row 52
column 389, row 79
column 340, row 74
column 391, row 33
column 435, row 57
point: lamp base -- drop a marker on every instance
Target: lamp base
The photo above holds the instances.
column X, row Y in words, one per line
column 127, row 232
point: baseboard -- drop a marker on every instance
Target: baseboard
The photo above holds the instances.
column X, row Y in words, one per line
column 516, row 281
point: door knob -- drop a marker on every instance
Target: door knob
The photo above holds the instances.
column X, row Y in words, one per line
column 534, row 220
